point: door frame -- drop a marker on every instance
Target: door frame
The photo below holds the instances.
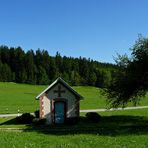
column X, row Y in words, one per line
column 65, row 109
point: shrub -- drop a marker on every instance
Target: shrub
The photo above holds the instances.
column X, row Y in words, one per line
column 25, row 118
column 93, row 116
column 72, row 120
column 37, row 113
column 38, row 121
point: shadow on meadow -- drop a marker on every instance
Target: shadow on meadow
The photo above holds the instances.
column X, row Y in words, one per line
column 108, row 126
column 9, row 122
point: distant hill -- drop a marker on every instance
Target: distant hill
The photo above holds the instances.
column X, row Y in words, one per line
column 38, row 67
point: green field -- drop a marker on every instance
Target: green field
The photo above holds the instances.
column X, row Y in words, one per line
column 130, row 116
column 126, row 128
column 14, row 97
column 38, row 140
column 116, row 129
column 22, row 96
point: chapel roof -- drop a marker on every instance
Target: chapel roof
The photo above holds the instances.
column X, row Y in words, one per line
column 60, row 80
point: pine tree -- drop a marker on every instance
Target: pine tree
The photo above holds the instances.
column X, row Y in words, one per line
column 42, row 77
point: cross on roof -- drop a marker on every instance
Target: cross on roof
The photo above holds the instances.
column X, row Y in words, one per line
column 59, row 91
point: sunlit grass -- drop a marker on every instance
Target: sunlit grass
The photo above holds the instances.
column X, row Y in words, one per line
column 39, row 140
column 14, row 97
column 115, row 129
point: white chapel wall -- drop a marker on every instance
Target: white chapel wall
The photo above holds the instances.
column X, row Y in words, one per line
column 71, row 112
column 47, row 108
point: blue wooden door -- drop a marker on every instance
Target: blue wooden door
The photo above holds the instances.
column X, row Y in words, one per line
column 59, row 112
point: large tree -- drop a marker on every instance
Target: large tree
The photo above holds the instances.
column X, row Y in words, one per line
column 132, row 81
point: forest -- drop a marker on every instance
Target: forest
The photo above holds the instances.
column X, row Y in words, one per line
column 38, row 67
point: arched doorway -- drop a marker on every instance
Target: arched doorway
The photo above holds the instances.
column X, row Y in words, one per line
column 59, row 112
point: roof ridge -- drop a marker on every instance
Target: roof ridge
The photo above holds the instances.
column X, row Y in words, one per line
column 59, row 79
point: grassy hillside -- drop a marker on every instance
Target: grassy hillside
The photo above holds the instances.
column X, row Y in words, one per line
column 18, row 96
column 22, row 96
column 92, row 97
column 126, row 128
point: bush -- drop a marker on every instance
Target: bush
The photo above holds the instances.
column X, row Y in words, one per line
column 25, row 118
column 37, row 113
column 72, row 120
column 93, row 116
column 38, row 121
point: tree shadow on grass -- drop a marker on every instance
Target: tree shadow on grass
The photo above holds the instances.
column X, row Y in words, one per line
column 108, row 126
column 12, row 121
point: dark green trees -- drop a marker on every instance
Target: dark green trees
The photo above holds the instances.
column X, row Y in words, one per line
column 132, row 81
column 5, row 73
column 30, row 67
column 40, row 68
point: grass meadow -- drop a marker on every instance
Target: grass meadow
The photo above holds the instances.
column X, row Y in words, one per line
column 116, row 129
column 39, row 140
column 14, row 97
column 119, row 129
column 22, row 96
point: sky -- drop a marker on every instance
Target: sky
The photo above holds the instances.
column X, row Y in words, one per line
column 96, row 29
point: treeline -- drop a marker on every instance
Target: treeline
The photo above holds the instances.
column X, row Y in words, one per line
column 38, row 67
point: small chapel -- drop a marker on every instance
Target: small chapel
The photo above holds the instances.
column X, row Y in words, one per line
column 59, row 103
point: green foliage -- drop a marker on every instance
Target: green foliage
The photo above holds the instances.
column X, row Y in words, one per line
column 39, row 122
column 25, row 118
column 132, row 81
column 5, row 73
column 42, row 76
column 37, row 113
column 72, row 120
column 75, row 78
column 92, row 79
column 41, row 68
column 93, row 117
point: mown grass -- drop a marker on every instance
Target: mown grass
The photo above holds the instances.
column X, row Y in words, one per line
column 39, row 140
column 108, row 118
column 127, row 128
column 116, row 129
column 14, row 97
column 92, row 97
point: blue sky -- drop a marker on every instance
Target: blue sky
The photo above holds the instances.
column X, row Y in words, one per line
column 89, row 28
